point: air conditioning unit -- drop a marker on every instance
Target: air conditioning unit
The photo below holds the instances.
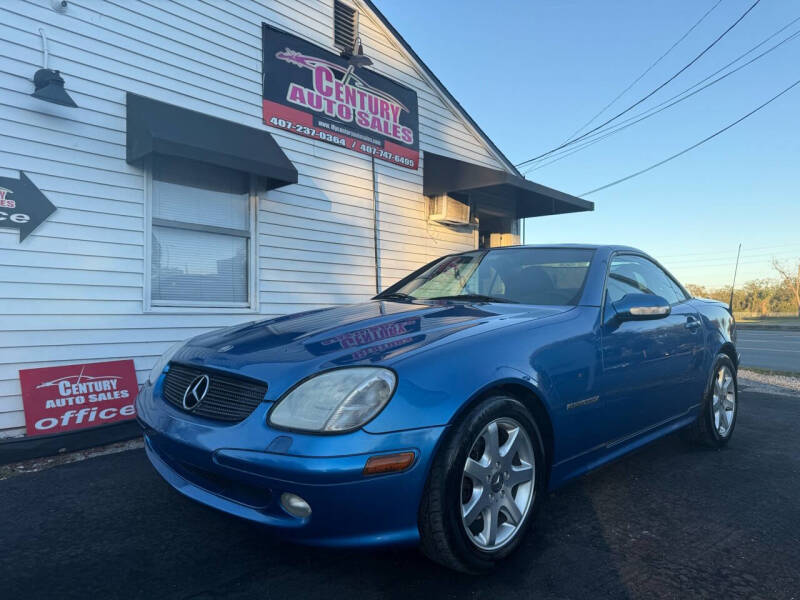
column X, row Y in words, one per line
column 446, row 210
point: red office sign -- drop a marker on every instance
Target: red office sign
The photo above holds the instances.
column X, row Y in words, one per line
column 59, row 399
column 315, row 93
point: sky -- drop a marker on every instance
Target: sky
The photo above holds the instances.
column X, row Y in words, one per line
column 530, row 73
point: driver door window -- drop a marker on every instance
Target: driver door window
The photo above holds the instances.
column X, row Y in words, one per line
column 636, row 275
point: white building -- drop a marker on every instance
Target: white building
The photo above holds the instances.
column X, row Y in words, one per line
column 166, row 225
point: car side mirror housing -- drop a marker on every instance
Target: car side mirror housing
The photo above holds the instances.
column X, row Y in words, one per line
column 641, row 307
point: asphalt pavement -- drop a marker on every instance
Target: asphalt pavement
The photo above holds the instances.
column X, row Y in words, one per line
column 670, row 521
column 774, row 349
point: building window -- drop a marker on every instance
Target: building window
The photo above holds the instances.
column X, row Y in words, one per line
column 345, row 26
column 201, row 235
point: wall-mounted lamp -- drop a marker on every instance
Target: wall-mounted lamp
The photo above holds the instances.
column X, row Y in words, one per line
column 48, row 84
column 355, row 59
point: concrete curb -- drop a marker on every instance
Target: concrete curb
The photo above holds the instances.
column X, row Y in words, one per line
column 38, row 446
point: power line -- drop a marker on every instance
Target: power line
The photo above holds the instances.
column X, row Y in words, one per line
column 746, row 254
column 720, row 266
column 762, row 262
column 693, row 146
column 747, row 265
column 603, row 134
column 679, row 97
column 728, row 252
column 645, row 72
column 723, row 260
column 695, row 59
column 648, row 95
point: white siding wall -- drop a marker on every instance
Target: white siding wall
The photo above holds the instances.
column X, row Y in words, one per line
column 72, row 291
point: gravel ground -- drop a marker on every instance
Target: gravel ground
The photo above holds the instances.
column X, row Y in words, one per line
column 776, row 384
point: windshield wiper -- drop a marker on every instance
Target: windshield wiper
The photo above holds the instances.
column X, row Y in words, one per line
column 474, row 297
column 395, row 296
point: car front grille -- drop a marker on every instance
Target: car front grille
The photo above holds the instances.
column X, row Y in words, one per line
column 229, row 398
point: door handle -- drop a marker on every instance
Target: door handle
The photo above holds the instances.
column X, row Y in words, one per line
column 692, row 323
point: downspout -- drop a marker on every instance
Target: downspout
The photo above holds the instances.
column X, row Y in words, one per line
column 376, row 228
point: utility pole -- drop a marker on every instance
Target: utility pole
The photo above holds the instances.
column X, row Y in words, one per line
column 735, row 270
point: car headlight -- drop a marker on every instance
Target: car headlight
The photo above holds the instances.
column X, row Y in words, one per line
column 155, row 372
column 335, row 401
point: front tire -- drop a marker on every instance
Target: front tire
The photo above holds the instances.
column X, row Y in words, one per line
column 715, row 424
column 484, row 488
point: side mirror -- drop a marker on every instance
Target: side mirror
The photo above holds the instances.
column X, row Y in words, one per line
column 641, row 307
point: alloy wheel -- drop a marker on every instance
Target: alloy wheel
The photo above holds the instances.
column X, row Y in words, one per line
column 724, row 401
column 497, row 485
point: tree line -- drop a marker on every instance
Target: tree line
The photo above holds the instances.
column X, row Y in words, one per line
column 761, row 297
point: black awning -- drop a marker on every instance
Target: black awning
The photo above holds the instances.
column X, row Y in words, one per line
column 158, row 128
column 493, row 189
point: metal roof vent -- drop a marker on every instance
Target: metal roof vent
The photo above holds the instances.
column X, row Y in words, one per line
column 345, row 26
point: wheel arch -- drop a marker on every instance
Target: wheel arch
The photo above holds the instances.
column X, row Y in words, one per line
column 524, row 392
column 729, row 349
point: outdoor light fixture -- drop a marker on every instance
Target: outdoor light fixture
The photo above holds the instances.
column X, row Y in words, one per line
column 48, row 84
column 355, row 59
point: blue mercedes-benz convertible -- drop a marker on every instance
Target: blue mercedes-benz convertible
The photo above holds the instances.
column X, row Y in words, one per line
column 441, row 411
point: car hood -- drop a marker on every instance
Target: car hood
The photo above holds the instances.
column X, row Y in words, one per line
column 371, row 332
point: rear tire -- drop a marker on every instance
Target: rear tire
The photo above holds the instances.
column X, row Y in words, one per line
column 484, row 488
column 715, row 424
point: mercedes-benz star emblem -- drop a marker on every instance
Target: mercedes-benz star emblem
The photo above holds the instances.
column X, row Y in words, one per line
column 195, row 393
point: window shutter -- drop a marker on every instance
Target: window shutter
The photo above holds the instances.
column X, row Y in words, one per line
column 345, row 25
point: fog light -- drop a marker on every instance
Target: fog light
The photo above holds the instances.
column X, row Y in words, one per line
column 295, row 505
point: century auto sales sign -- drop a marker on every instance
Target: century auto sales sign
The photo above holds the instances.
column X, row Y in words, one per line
column 59, row 399
column 311, row 92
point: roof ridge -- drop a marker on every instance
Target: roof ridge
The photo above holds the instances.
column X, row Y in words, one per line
column 382, row 18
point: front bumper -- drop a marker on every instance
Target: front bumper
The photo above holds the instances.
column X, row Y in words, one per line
column 243, row 469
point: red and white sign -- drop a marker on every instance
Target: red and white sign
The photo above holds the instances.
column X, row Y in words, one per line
column 59, row 399
column 315, row 93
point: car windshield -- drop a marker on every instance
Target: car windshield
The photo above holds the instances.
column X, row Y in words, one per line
column 548, row 276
